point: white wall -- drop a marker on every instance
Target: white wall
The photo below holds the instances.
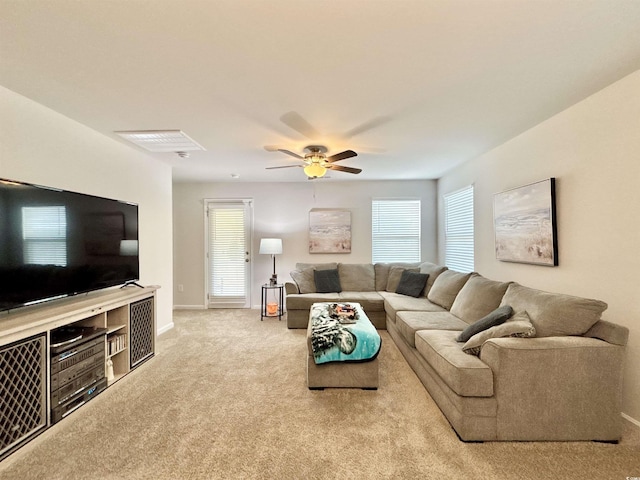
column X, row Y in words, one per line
column 282, row 210
column 40, row 146
column 593, row 150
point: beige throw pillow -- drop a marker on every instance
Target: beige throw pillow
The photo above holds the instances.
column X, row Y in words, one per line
column 517, row 326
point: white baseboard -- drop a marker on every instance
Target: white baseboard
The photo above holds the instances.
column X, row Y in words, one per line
column 631, row 419
column 166, row 328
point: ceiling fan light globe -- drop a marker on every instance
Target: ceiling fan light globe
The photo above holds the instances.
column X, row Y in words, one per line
column 315, row 170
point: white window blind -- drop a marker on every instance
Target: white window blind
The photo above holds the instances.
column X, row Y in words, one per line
column 44, row 235
column 458, row 208
column 395, row 230
column 227, row 251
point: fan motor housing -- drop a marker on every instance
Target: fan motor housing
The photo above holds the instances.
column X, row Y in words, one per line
column 315, row 149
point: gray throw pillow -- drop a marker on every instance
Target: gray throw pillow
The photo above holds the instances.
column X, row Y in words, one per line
column 395, row 273
column 412, row 283
column 327, row 281
column 497, row 317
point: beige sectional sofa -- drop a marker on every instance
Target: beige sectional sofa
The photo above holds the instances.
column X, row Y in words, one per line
column 564, row 383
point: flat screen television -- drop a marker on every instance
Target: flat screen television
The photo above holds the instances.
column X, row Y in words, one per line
column 56, row 243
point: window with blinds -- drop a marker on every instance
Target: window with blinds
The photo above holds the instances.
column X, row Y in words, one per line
column 44, row 235
column 395, row 230
column 458, row 207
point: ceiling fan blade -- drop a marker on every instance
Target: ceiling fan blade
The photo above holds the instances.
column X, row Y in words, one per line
column 341, row 156
column 340, row 168
column 284, row 166
column 294, row 121
column 272, row 148
column 373, row 123
column 289, row 152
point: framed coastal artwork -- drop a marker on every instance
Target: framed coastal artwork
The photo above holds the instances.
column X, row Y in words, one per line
column 329, row 231
column 524, row 221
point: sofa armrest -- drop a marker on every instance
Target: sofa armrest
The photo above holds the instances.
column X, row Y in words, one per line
column 556, row 388
column 291, row 288
column 609, row 332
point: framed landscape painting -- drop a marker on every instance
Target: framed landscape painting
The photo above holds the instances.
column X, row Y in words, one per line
column 525, row 224
column 329, row 231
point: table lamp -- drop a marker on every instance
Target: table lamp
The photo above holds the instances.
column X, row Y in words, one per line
column 273, row 247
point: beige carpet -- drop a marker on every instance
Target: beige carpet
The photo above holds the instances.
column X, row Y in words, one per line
column 225, row 397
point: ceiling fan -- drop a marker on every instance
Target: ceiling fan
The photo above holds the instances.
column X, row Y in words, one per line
column 315, row 162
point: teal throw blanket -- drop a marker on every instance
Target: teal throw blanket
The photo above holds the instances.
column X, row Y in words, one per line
column 338, row 337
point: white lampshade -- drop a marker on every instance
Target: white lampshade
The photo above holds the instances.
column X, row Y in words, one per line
column 271, row 246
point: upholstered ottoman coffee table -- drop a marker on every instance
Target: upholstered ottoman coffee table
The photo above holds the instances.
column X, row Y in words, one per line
column 343, row 347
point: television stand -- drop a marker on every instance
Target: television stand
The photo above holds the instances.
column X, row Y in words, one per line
column 131, row 282
column 30, row 389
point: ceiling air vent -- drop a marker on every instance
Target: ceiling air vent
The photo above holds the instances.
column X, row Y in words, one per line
column 161, row 140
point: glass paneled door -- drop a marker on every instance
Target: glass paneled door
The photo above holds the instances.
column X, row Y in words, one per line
column 228, row 253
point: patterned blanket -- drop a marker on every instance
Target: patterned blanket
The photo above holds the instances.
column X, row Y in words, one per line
column 337, row 336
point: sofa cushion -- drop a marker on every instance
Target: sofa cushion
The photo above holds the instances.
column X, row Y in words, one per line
column 317, row 266
column 609, row 332
column 446, row 287
column 327, row 281
column 479, row 297
column 304, row 280
column 497, row 317
column 466, row 375
column 382, row 272
column 412, row 283
column 408, row 323
column 357, row 277
column 395, row 302
column 554, row 314
column 304, row 301
column 518, row 326
column 393, row 279
column 369, row 301
column 433, row 271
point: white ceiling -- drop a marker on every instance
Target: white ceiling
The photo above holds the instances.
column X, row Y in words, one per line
column 416, row 87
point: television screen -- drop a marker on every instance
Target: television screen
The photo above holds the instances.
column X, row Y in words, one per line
column 56, row 243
